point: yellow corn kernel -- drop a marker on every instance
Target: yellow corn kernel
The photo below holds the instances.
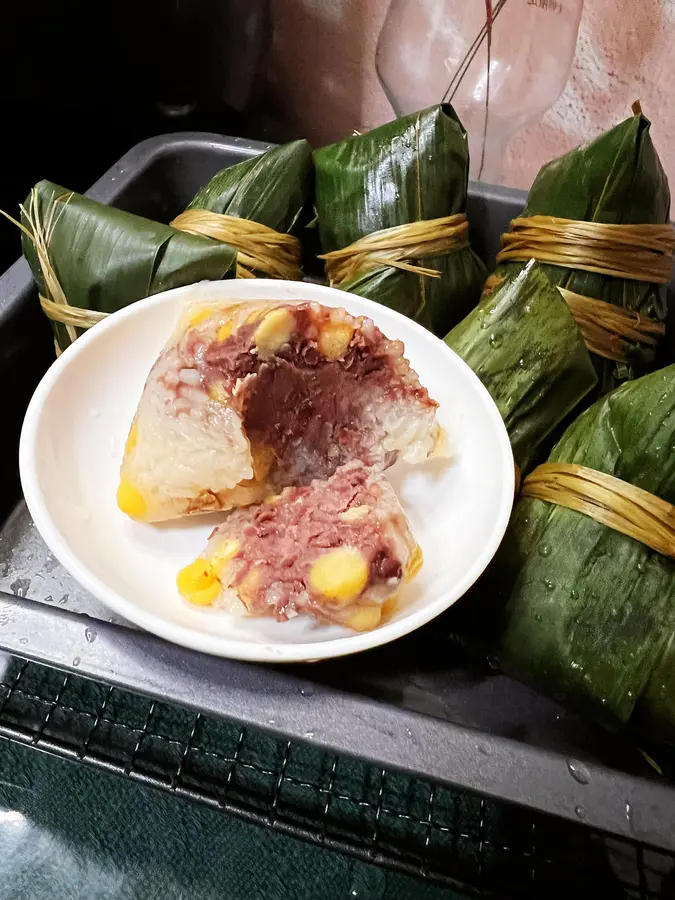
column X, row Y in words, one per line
column 217, row 392
column 247, row 586
column 414, row 564
column 199, row 317
column 130, row 500
column 364, row 618
column 274, row 331
column 334, row 339
column 197, row 583
column 132, row 439
column 388, row 608
column 339, row 574
column 225, row 552
column 263, row 459
column 224, row 331
column 355, row 513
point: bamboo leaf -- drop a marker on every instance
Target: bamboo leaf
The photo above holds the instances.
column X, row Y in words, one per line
column 272, row 189
column 590, row 614
column 409, row 170
column 616, row 179
column 524, row 345
column 105, row 258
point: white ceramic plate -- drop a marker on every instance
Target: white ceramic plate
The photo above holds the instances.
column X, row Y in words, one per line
column 71, row 448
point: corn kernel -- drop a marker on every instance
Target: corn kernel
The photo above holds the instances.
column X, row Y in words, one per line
column 199, row 317
column 198, row 584
column 274, row 331
column 334, row 340
column 388, row 608
column 247, row 586
column 365, row 618
column 414, row 564
column 224, row 331
column 225, row 552
column 263, row 459
column 217, row 393
column 340, row 574
column 130, row 500
column 355, row 513
column 132, row 439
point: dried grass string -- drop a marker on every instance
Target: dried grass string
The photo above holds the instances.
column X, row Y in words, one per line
column 607, row 499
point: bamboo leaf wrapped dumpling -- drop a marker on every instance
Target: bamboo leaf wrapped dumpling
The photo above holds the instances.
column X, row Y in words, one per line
column 91, row 259
column 590, row 612
column 412, row 170
column 615, row 180
column 525, row 347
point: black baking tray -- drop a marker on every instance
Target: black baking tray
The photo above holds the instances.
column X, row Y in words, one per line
column 425, row 704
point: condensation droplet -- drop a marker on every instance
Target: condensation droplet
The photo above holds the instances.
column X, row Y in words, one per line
column 578, row 772
column 580, row 812
column 90, row 635
column 544, row 550
column 77, row 661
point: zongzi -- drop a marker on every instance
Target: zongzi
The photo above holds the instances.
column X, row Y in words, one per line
column 254, row 206
column 247, row 399
column 336, row 550
column 524, row 346
column 590, row 612
column 89, row 259
column 597, row 217
column 391, row 213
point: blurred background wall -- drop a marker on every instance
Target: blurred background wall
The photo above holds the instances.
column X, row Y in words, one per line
column 321, row 76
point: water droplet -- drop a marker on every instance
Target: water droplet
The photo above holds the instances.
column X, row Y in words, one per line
column 493, row 662
column 23, row 640
column 544, row 550
column 550, row 585
column 484, row 324
column 528, row 307
column 629, row 811
column 641, row 568
column 580, row 812
column 578, row 772
column 574, row 594
column 495, row 341
column 537, row 617
column 49, row 599
column 20, row 587
column 77, row 661
column 64, row 599
column 521, row 362
column 90, row 635
column 493, row 310
column 308, row 734
column 307, row 691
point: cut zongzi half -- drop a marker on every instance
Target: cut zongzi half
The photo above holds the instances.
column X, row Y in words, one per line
column 615, row 180
column 524, row 346
column 410, row 172
column 590, row 614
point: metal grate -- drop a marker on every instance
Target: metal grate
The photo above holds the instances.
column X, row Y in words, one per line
column 452, row 837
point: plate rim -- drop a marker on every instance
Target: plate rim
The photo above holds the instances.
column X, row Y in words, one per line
column 218, row 645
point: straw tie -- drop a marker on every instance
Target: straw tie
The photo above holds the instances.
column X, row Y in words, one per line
column 607, row 499
column 396, row 247
column 259, row 248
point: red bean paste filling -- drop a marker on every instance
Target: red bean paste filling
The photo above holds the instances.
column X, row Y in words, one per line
column 307, row 408
column 280, row 535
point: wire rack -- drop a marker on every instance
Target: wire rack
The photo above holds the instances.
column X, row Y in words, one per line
column 481, row 847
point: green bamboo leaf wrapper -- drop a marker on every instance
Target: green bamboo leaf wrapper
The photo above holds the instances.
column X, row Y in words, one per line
column 616, row 179
column 415, row 168
column 525, row 347
column 105, row 258
column 590, row 613
column 272, row 188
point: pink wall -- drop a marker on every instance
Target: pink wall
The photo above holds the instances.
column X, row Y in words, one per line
column 322, row 76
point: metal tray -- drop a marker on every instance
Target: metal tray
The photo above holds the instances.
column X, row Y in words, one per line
column 424, row 704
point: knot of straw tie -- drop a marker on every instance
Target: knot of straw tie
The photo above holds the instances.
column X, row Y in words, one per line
column 609, row 500
column 635, row 252
column 259, row 248
column 397, row 246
